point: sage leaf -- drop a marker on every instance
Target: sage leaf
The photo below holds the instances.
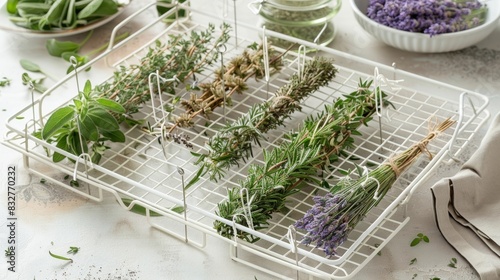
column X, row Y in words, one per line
column 111, row 105
column 89, row 9
column 138, row 209
column 103, row 119
column 57, row 48
column 88, row 129
column 57, row 120
column 30, row 66
column 107, row 8
column 63, row 145
column 114, row 136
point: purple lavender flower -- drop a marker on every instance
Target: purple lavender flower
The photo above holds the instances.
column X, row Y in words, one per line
column 428, row 16
column 325, row 223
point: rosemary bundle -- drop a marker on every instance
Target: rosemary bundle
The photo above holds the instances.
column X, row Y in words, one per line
column 94, row 116
column 229, row 79
column 318, row 143
column 336, row 214
column 233, row 143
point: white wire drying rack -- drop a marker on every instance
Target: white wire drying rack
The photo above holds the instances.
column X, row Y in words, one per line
column 152, row 174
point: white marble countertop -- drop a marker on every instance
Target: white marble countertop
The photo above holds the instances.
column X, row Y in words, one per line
column 116, row 244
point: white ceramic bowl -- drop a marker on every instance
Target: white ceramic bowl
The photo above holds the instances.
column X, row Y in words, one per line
column 423, row 43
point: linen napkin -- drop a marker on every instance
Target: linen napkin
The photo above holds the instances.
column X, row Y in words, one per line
column 467, row 206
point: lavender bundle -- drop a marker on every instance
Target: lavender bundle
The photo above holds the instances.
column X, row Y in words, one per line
column 318, row 143
column 233, row 143
column 428, row 16
column 333, row 216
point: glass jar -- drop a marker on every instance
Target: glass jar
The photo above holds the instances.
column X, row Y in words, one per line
column 309, row 20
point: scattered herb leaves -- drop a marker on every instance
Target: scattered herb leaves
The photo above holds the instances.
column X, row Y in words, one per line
column 60, row 257
column 37, row 83
column 453, row 263
column 73, row 250
column 413, row 261
column 8, row 252
column 4, row 81
column 420, row 237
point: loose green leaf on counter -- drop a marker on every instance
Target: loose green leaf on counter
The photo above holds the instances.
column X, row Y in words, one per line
column 68, row 49
column 37, row 83
column 30, row 66
column 4, row 81
column 420, row 237
column 57, row 48
column 33, row 67
column 60, row 257
column 413, row 261
column 453, row 263
column 73, row 250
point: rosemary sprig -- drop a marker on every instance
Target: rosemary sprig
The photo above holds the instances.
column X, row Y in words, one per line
column 233, row 143
column 229, row 80
column 319, row 142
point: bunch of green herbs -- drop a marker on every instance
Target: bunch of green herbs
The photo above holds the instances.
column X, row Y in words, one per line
column 320, row 141
column 234, row 142
column 76, row 132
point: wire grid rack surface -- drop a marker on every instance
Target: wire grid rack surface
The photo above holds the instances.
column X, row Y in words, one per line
column 147, row 170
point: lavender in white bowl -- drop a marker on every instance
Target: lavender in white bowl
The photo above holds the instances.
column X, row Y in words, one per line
column 428, row 26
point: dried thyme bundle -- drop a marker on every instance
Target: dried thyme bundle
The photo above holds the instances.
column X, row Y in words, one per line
column 182, row 56
column 318, row 143
column 94, row 116
column 337, row 213
column 233, row 143
column 232, row 78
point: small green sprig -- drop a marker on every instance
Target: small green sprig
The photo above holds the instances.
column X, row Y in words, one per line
column 60, row 257
column 73, row 250
column 420, row 237
column 317, row 144
column 4, row 81
column 453, row 263
column 233, row 143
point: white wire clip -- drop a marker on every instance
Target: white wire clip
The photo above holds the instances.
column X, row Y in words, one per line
column 461, row 106
column 221, row 48
column 87, row 158
column 151, row 92
column 291, row 235
column 247, row 207
column 266, row 60
column 368, row 178
column 316, row 40
column 301, row 61
column 256, row 6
